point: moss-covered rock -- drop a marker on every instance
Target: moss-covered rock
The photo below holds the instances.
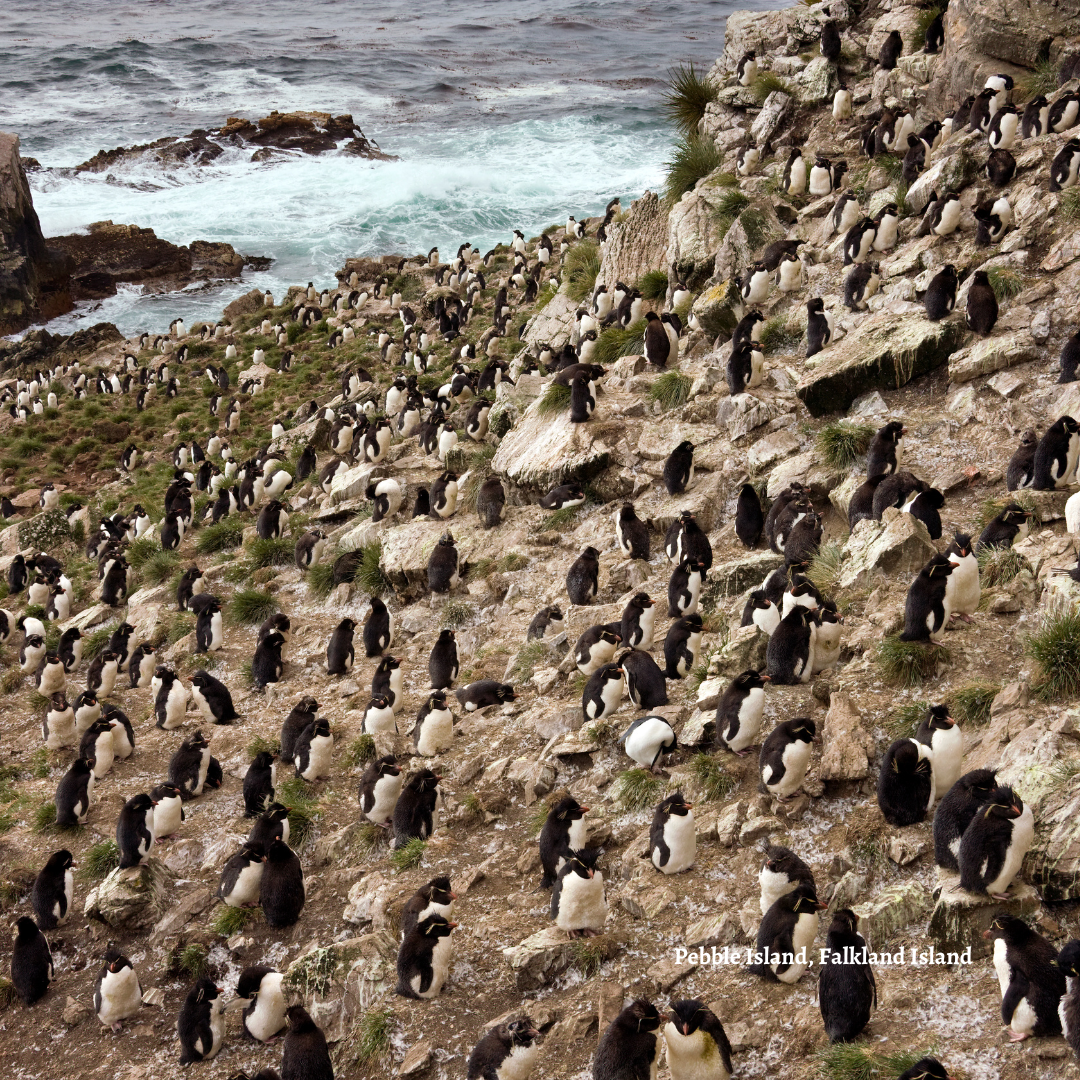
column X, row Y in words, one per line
column 45, row 531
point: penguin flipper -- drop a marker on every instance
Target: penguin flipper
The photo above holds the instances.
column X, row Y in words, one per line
column 1018, row 989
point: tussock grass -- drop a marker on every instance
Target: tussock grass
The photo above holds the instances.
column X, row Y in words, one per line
column 473, row 806
column 781, row 334
column 408, row 855
column 261, row 744
column 1061, row 772
column 359, row 751
column 1055, row 647
column 252, row 606
column 998, row 566
column 754, row 224
column 695, row 156
column 671, row 390
column 695, row 678
column 618, row 341
column 580, row 269
column 824, row 569
column 231, row 920
column 320, row 579
column 892, row 167
column 1042, row 79
column 653, row 285
column 373, row 1035
column 713, row 780
column 511, row 561
column 538, row 816
column 562, row 519
column 602, row 731
column 94, row 642
column 909, row 663
column 555, row 399
column 525, row 662
column 99, row 861
column 159, row 567
column 223, row 536
column 1069, row 206
column 370, row 575
column 638, row 789
column 369, row 839
column 193, row 961
column 304, row 811
column 841, row 442
column 11, row 680
column 1005, row 282
column 589, row 956
column 688, row 94
column 856, row 1061
column 457, row 613
column 141, row 550
column 971, row 704
column 8, row 995
column 727, row 208
column 904, row 721
column 262, row 553
column 766, row 82
column 867, row 851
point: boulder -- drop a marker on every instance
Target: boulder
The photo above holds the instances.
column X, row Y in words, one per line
column 846, row 745
column 808, row 469
column 898, row 544
column 732, row 578
column 371, row 897
column 775, row 112
column 987, row 355
column 637, row 244
column 247, row 304
column 544, row 956
column 1055, row 857
column 770, row 449
column 959, row 918
column 745, row 412
column 552, row 323
column 885, row 352
column 694, row 234
column 45, row 531
column 718, row 309
column 744, row 649
column 890, row 910
column 132, row 900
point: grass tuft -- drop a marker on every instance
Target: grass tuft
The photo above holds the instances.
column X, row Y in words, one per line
column 457, row 613
column 231, row 920
column 11, row 680
column 824, row 569
column 727, row 208
column 274, row 552
column 193, row 961
column 538, row 816
column 618, row 341
column 841, row 442
column 781, row 334
column 671, row 390
column 904, row 721
column 688, row 94
column 1069, row 206
column 637, row 789
column 304, row 812
column 713, row 780
column 1005, row 282
column 369, row 839
column 603, row 731
column 252, row 606
column 159, row 567
column 359, row 751
column 922, row 23
column 95, row 641
column 373, row 1035
column 1043, row 79
column 100, row 861
column 766, row 82
column 971, row 704
column 694, row 158
column 855, row 1061
column 909, row 663
column 555, row 399
column 223, row 536
column 8, row 995
column 370, row 575
column 1055, row 647
column 45, row 817
column 320, row 579
column 409, row 855
column 525, row 662
column 589, row 956
column 580, row 269
column 998, row 566
column 653, row 285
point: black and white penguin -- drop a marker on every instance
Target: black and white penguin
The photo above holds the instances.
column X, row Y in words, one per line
column 583, row 576
column 388, row 682
column 507, row 1052
column 190, row 584
column 781, row 872
column 31, row 962
column 862, row 282
column 981, row 110
column 819, row 326
column 241, row 876
column 786, row 935
column 578, row 902
column 940, row 296
column 380, row 786
column 945, row 742
column 442, row 569
column 630, row 1046
column 270, row 825
column 74, row 793
column 281, row 891
column 1070, row 362
column 785, row 755
column 685, row 540
column 679, row 468
column 748, row 160
column 101, row 674
column 340, row 652
column 1064, row 113
column 582, row 399
column 309, row 549
column 141, row 665
column 657, row 346
column 313, row 749
column 201, row 1024
column 905, row 785
column 302, row 713
column 168, row 810
column 603, row 692
column 1000, row 168
column 982, row 305
column 96, row 745
column 213, row 698
column 558, row 498
column 1068, row 962
column 672, row 837
column 58, row 728
column 682, row 644
column 994, row 216
column 260, row 780
column 794, row 179
column 485, row 692
column 416, row 810
column 631, row 533
column 697, row 1045
column 135, row 830
column 596, row 647
column 170, row 698
column 423, row 961
column 647, row 739
column 443, row 661
column 378, row 628
column 847, row 991
column 304, row 1055
column 188, row 766
column 209, row 632
column 994, row 844
column 379, row 715
column 886, row 452
column 563, row 835
column 1057, row 454
column 925, row 505
column 859, row 241
column 738, row 715
column 955, row 812
column 926, row 610
column 789, row 655
column 69, row 649
column 745, row 368
column 490, row 500
column 53, row 891
column 117, row 993
column 830, row 42
column 684, row 587
column 434, row 730
column 1065, row 166
column 50, row 677
column 1031, row 982
column 1005, row 530
column 32, row 652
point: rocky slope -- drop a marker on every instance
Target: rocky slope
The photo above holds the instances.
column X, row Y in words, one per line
column 964, row 400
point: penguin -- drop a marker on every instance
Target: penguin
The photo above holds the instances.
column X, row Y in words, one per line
column 53, row 891
column 1031, row 982
column 442, row 569
column 905, row 786
column 862, row 282
column 1035, row 121
column 847, row 990
column 74, row 794
column 209, row 635
column 168, row 811
column 578, row 903
column 886, row 452
column 213, row 698
column 745, row 368
column 117, row 993
column 890, row 51
column 781, row 872
column 939, row 732
column 926, row 610
column 380, row 786
column 1070, row 361
column 980, row 111
column 443, row 495
column 311, row 754
column 1064, row 113
column 747, row 162
column 101, row 674
column 563, row 835
column 507, row 1052
column 434, row 730
column 96, row 745
column 135, row 830
column 241, row 877
column 916, row 159
column 940, row 296
column 859, row 241
column 1006, row 530
column 682, row 645
column 379, row 716
column 304, row 712
column 423, row 961
column 657, row 347
column 1000, row 168
column 672, row 839
column 565, row 495
column 170, row 699
column 1056, row 456
column 794, row 181
column 819, row 326
column 340, row 653
column 830, row 41
column 32, row 652
column 935, row 35
column 749, row 519
column 943, row 219
column 490, row 500
column 271, row 824
column 1065, row 166
column 786, row 936
column 58, row 728
column 647, row 739
column 603, row 692
column 201, row 1024
column 309, row 549
column 802, row 542
column 756, row 283
column 416, row 810
column 955, row 812
column 747, row 68
column 190, row 584
column 994, row 218
column 260, row 780
column 281, row 891
column 631, row 533
column 738, row 715
column 547, row 622
column 785, row 755
column 982, row 305
column 827, row 630
column 388, row 682
column 789, row 655
column 50, row 675
column 17, row 575
column 582, row 577
column 141, row 665
column 925, row 505
column 697, row 1045
column 595, row 647
column 1068, row 962
column 188, row 766
column 485, row 692
column 1002, row 130
column 684, row 588
column 1021, row 471
column 994, row 844
column 31, row 962
column 272, row 519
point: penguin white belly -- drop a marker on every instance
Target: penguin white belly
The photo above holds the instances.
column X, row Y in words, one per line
column 168, row 815
column 643, row 745
column 217, row 635
column 773, row 886
column 693, row 1057
column 948, row 748
column 387, row 790
column 796, row 757
column 962, row 589
column 802, row 938
column 319, row 757
column 120, row 996
column 246, row 888
column 582, row 905
column 767, row 619
column 1023, row 1017
column 680, row 835
column 62, row 732
column 268, row 1016
column 1070, row 983
column 1072, row 459
column 69, row 893
column 217, row 1028
column 938, row 634
column 380, row 720
column 103, row 755
column 805, row 668
column 611, row 696
column 577, row 834
column 1022, row 835
column 826, row 647
column 176, row 706
column 520, row 1062
column 750, row 712
column 440, row 969
column 437, row 733
column 1072, row 515
column 646, row 621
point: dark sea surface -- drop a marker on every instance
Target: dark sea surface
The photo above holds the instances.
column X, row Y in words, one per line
column 503, row 115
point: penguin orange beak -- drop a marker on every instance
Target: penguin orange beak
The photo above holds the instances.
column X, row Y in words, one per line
column 453, row 895
column 453, row 925
column 112, row 967
column 822, row 905
column 951, row 720
column 766, row 678
column 686, row 1029
column 987, row 933
column 689, row 805
column 584, row 809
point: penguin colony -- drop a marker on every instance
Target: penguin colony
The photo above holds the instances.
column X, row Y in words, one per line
column 90, row 683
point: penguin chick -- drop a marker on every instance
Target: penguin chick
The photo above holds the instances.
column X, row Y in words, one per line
column 507, row 1052
column 629, row 1048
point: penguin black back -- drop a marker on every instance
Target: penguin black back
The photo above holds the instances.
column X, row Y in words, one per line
column 955, row 812
column 629, row 1047
column 305, row 1055
column 847, row 991
column 281, row 892
column 749, row 519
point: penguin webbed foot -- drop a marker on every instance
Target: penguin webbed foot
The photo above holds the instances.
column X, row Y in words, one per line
column 117, row 1027
column 1018, row 1036
column 999, row 896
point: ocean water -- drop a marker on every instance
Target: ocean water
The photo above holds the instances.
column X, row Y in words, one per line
column 503, row 114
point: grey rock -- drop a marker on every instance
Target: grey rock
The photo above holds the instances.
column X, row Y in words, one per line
column 134, row 899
